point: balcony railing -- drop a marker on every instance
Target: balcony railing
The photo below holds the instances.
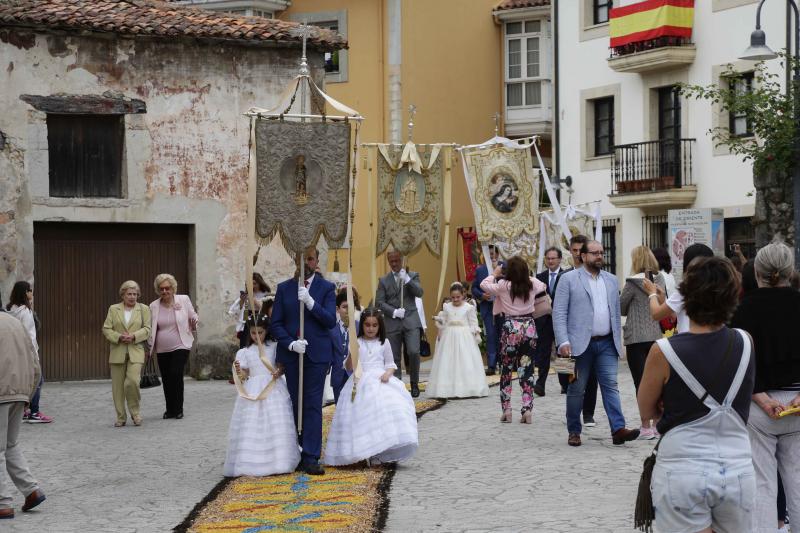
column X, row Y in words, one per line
column 652, row 166
column 652, row 44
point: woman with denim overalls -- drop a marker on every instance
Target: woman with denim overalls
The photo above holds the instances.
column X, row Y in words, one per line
column 698, row 385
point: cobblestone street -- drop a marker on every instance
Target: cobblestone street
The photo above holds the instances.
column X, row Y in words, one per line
column 471, row 473
column 98, row 478
column 474, row 474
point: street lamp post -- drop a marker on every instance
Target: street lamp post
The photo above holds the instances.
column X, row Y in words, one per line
column 759, row 51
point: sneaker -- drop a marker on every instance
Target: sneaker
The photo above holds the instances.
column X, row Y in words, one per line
column 647, row 433
column 39, row 418
column 589, row 422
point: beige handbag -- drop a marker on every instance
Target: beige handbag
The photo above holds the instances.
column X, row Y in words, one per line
column 564, row 365
column 542, row 305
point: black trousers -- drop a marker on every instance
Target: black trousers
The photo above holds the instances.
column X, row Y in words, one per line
column 589, row 397
column 171, row 365
column 637, row 357
column 544, row 347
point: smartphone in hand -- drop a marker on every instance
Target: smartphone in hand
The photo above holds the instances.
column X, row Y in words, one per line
column 650, row 276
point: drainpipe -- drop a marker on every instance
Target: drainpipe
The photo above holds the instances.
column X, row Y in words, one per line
column 556, row 146
column 394, row 15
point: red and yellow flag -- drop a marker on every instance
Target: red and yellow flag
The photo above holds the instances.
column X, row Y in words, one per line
column 649, row 20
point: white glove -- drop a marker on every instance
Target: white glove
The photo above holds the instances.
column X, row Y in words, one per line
column 399, row 313
column 305, row 297
column 298, row 346
column 404, row 275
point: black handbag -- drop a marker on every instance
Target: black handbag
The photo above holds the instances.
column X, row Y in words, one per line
column 424, row 345
column 149, row 377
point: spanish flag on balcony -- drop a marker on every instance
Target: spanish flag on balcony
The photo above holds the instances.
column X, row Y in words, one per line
column 651, row 19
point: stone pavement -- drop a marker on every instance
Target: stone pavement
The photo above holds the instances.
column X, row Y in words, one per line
column 98, row 478
column 474, row 474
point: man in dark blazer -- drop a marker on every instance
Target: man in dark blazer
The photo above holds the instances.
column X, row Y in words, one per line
column 318, row 298
column 403, row 325
column 544, row 324
column 340, row 340
column 486, row 304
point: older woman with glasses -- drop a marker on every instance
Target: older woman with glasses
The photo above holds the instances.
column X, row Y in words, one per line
column 171, row 337
column 127, row 326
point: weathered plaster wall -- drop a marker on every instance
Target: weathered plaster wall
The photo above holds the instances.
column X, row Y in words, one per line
column 185, row 159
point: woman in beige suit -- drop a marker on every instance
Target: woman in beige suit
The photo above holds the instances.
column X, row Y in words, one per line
column 127, row 326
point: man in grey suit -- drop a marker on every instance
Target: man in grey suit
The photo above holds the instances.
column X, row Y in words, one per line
column 588, row 326
column 402, row 321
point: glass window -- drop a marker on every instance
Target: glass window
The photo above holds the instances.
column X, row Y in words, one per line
column 513, row 27
column 514, row 58
column 533, row 26
column 331, row 58
column 533, row 57
column 603, row 126
column 600, row 10
column 739, row 122
column 514, row 94
column 533, row 93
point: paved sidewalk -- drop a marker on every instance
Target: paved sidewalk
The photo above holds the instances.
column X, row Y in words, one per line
column 98, row 478
column 474, row 474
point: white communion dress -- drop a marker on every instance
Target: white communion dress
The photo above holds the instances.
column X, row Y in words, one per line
column 380, row 423
column 262, row 439
column 457, row 370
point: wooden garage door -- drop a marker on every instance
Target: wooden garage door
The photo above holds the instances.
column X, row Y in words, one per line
column 78, row 268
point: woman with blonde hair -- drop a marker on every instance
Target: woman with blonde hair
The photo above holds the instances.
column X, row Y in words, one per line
column 171, row 337
column 769, row 314
column 126, row 327
column 640, row 331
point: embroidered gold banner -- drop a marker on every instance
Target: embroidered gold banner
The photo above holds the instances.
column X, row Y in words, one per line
column 303, row 188
column 504, row 194
column 411, row 182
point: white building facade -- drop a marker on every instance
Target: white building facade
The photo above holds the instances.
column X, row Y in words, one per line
column 629, row 140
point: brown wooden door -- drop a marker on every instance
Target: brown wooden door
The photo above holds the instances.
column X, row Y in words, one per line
column 78, row 268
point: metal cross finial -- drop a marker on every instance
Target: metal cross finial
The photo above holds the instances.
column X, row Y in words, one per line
column 412, row 110
column 304, row 32
column 496, row 117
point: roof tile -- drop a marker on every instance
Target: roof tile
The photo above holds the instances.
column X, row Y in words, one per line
column 516, row 4
column 154, row 17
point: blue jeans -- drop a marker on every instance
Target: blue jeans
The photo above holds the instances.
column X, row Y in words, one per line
column 601, row 358
column 36, row 395
column 492, row 339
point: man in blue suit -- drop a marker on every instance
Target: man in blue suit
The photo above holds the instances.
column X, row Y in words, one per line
column 318, row 298
column 486, row 304
column 340, row 340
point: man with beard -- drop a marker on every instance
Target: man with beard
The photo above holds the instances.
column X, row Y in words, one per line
column 318, row 298
column 588, row 326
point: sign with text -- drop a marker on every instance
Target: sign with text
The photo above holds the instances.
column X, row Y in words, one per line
column 690, row 226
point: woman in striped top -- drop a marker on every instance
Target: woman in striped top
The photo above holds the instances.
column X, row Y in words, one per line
column 770, row 315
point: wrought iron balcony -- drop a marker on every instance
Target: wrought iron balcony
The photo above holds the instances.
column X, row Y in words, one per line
column 652, row 55
column 653, row 173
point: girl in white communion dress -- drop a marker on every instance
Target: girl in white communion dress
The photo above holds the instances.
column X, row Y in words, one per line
column 262, row 439
column 379, row 423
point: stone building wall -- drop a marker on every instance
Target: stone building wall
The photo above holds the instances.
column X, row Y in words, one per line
column 185, row 158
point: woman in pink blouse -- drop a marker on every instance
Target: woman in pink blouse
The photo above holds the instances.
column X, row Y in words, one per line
column 171, row 337
column 514, row 297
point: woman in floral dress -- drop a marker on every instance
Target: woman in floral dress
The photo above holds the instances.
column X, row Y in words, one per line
column 515, row 291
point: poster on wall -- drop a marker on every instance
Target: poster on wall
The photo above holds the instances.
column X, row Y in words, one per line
column 690, row 226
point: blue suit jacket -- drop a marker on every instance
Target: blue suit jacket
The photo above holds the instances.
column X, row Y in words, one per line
column 285, row 323
column 573, row 311
column 481, row 274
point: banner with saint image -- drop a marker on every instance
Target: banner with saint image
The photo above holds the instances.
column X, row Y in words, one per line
column 303, row 186
column 504, row 191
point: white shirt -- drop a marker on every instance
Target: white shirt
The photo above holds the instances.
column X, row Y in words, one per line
column 601, row 324
column 128, row 313
column 675, row 302
column 310, row 280
column 552, row 276
column 669, row 283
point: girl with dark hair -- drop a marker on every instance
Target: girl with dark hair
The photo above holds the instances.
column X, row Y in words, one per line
column 262, row 439
column 665, row 268
column 457, row 370
column 375, row 419
column 514, row 297
column 20, row 306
